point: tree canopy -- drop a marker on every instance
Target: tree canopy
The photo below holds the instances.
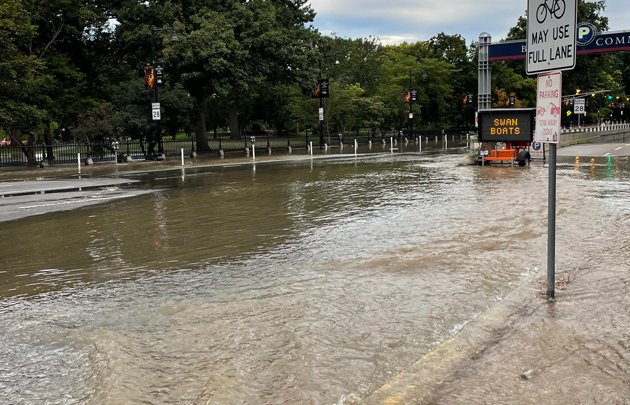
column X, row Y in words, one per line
column 75, row 68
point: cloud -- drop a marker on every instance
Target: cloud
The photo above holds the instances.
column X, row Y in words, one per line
column 413, row 19
column 395, row 21
column 618, row 13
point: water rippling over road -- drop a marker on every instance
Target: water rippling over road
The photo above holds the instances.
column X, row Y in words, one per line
column 298, row 282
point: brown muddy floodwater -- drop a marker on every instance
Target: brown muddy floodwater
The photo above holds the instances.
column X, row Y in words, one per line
column 303, row 283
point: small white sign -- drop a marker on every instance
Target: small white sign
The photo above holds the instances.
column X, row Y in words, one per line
column 537, row 150
column 155, row 111
column 551, row 35
column 548, row 108
column 579, row 106
column 321, row 117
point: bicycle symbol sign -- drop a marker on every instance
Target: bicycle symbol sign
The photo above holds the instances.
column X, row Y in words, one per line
column 553, row 8
column 551, row 38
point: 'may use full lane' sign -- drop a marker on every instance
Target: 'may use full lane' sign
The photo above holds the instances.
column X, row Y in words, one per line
column 551, row 35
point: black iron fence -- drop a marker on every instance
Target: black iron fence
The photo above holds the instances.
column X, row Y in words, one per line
column 68, row 153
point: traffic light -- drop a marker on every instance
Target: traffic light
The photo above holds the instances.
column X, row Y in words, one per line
column 610, row 97
column 317, row 91
column 407, row 96
column 149, row 77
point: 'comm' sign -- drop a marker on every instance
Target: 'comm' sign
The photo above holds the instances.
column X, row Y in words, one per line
column 506, row 125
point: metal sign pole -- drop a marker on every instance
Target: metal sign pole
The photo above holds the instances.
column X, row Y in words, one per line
column 548, row 130
column 551, row 236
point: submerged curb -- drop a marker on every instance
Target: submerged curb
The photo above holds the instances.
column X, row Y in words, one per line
column 417, row 383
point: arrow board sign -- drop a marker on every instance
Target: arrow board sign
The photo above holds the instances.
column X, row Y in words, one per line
column 551, row 35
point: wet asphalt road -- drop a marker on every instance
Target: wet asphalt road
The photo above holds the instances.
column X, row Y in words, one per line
column 63, row 189
column 596, row 150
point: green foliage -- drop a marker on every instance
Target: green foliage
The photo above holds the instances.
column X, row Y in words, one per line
column 98, row 123
column 21, row 73
column 63, row 66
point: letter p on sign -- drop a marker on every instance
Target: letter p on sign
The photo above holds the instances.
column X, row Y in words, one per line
column 586, row 33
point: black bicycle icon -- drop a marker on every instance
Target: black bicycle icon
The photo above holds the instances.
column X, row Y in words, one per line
column 557, row 9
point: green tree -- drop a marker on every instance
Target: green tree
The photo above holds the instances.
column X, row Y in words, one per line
column 43, row 44
column 21, row 72
column 246, row 54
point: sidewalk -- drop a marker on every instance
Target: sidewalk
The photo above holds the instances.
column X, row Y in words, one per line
column 525, row 350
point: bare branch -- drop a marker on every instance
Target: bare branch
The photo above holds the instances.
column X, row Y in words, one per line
column 56, row 32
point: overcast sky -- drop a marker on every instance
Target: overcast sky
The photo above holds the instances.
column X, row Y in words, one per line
column 394, row 21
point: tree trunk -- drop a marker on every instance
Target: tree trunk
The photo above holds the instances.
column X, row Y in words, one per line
column 14, row 134
column 201, row 137
column 28, row 149
column 49, row 143
column 30, row 155
column 235, row 128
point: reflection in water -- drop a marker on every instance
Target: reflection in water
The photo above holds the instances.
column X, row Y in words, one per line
column 609, row 168
column 299, row 283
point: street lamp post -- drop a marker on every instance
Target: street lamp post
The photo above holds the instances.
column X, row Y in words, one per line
column 158, row 75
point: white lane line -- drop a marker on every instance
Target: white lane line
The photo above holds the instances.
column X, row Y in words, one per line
column 619, row 148
column 608, row 154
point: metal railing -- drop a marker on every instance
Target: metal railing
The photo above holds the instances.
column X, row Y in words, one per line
column 67, row 153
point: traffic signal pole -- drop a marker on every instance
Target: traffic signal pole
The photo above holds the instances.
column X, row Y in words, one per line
column 321, row 108
column 410, row 109
column 156, row 99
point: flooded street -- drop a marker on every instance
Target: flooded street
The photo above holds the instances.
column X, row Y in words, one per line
column 313, row 282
